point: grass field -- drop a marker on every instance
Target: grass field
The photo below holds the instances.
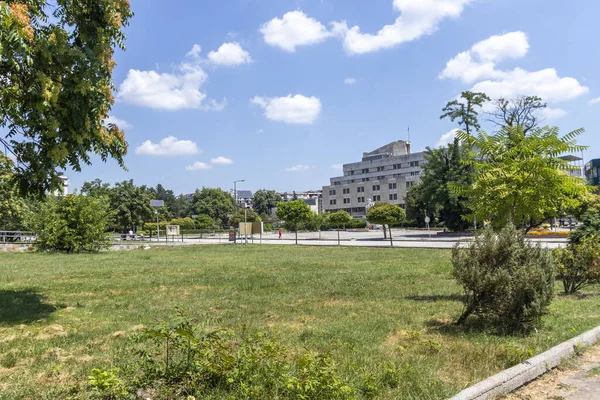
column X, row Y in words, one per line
column 61, row 316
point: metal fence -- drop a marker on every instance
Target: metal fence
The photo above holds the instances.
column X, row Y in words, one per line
column 17, row 237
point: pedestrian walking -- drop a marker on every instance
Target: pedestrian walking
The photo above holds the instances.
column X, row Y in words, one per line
column 280, row 232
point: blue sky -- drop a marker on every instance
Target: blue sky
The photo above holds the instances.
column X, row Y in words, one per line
column 277, row 92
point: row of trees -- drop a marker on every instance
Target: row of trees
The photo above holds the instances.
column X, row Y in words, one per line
column 512, row 175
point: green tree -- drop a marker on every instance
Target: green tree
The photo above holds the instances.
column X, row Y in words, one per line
column 519, row 178
column 239, row 216
column 519, row 111
column 12, row 207
column 180, row 207
column 339, row 218
column 96, row 188
column 386, row 214
column 215, row 203
column 465, row 110
column 204, row 221
column 445, row 167
column 71, row 224
column 131, row 205
column 294, row 212
column 316, row 222
column 56, row 86
column 264, row 201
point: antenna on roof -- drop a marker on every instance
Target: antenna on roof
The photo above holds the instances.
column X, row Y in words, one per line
column 409, row 133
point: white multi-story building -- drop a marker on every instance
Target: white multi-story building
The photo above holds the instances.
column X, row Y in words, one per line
column 384, row 174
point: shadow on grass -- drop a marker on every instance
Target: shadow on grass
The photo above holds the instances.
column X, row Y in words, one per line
column 437, row 297
column 475, row 325
column 21, row 306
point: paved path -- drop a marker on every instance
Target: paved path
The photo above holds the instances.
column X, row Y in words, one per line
column 402, row 238
column 578, row 379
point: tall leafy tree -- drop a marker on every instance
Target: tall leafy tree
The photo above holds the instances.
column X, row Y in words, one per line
column 386, row 214
column 131, row 205
column 519, row 111
column 213, row 202
column 96, row 188
column 519, row 178
column 265, row 201
column 294, row 212
column 433, row 197
column 464, row 111
column 56, row 85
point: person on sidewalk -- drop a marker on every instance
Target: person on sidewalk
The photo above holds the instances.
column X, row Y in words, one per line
column 280, row 233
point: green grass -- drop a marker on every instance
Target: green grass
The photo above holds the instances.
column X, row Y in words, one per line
column 61, row 316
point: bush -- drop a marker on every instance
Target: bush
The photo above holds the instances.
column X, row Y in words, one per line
column 589, row 228
column 184, row 359
column 71, row 224
column 504, row 277
column 578, row 265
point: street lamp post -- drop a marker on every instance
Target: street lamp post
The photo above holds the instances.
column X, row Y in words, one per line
column 235, row 191
column 235, row 206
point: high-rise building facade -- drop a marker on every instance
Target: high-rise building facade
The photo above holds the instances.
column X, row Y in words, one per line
column 384, row 174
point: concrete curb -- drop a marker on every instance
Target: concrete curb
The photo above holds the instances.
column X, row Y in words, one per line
column 517, row 376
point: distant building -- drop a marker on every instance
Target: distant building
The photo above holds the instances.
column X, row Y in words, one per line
column 576, row 163
column 384, row 174
column 592, row 172
column 313, row 198
column 244, row 197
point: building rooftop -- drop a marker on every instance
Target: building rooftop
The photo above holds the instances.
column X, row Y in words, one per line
column 244, row 194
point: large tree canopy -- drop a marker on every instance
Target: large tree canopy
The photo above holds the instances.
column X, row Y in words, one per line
column 265, row 201
column 56, row 85
column 519, row 178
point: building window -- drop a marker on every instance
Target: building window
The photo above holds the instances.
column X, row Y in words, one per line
column 379, row 169
column 376, row 188
column 365, row 170
column 366, row 179
column 377, row 198
column 360, row 189
column 332, row 192
column 337, row 183
column 414, row 164
column 409, row 184
column 346, row 201
column 380, row 177
column 415, row 173
column 361, row 199
column 346, row 191
column 394, row 196
column 351, row 172
column 392, row 186
column 332, row 202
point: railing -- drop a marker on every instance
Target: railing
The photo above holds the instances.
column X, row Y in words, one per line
column 17, row 237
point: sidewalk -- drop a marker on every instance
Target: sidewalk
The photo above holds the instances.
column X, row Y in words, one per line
column 576, row 379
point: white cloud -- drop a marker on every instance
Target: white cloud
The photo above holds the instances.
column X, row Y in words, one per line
column 221, row 160
column 164, row 91
column 480, row 61
column 544, row 83
column 297, row 109
column 178, row 90
column 595, row 100
column 479, row 65
column 417, row 18
column 122, row 124
column 294, row 29
column 198, row 166
column 299, row 168
column 553, row 113
column 446, row 138
column 337, row 166
column 195, row 51
column 229, row 54
column 169, row 146
column 350, row 81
